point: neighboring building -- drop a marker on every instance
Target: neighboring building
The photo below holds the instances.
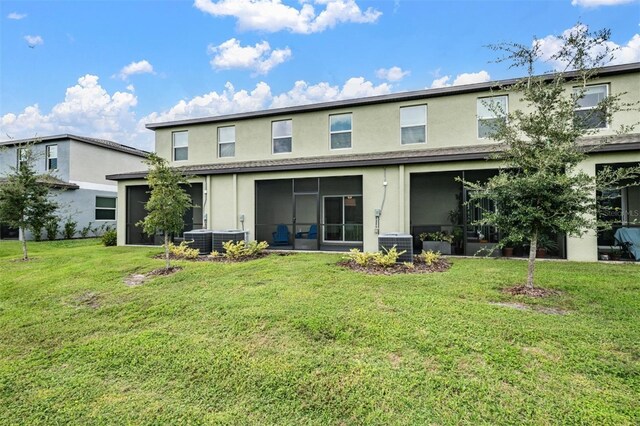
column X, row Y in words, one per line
column 78, row 166
column 350, row 170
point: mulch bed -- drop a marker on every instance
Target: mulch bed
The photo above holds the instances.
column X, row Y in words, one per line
column 206, row 258
column 399, row 268
column 531, row 292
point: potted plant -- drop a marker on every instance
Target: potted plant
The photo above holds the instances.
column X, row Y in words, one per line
column 545, row 245
column 436, row 241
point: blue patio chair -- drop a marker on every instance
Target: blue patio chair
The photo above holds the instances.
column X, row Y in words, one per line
column 281, row 236
column 311, row 234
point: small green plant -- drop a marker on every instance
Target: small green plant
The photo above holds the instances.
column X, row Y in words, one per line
column 241, row 250
column 361, row 258
column 388, row 258
column 429, row 257
column 436, row 236
column 183, row 251
column 70, row 228
column 52, row 227
column 110, row 238
column 84, row 232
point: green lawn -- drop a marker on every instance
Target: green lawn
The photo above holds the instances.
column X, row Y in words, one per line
column 297, row 340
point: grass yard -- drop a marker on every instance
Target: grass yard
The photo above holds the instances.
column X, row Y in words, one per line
column 297, row 340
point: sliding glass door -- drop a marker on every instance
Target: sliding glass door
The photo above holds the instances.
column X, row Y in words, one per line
column 342, row 218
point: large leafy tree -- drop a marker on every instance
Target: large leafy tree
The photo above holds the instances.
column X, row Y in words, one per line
column 25, row 201
column 541, row 188
column 167, row 203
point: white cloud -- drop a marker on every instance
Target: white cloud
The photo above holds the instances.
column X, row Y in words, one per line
column 623, row 54
column 259, row 58
column 461, row 79
column 140, row 67
column 302, row 93
column 33, row 40
column 392, row 74
column 274, row 15
column 227, row 101
column 87, row 109
column 16, row 16
column 596, row 3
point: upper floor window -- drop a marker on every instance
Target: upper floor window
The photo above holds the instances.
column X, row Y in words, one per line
column 180, row 146
column 413, row 124
column 105, row 208
column 587, row 113
column 22, row 156
column 491, row 110
column 52, row 157
column 227, row 141
column 281, row 133
column 340, row 126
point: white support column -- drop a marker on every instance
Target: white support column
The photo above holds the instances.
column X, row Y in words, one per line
column 401, row 199
column 584, row 248
column 235, row 201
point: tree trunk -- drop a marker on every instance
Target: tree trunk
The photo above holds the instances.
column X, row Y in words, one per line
column 532, row 259
column 166, row 250
column 24, row 244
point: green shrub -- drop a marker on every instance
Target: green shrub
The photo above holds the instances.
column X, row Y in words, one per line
column 388, row 258
column 429, row 257
column 361, row 258
column 110, row 238
column 84, row 232
column 70, row 228
column 242, row 250
column 183, row 251
column 52, row 227
column 385, row 259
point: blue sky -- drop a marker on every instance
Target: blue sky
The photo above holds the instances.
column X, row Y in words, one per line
column 105, row 68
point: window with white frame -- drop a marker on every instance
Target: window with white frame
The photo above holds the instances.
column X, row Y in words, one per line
column 180, row 145
column 52, row 157
column 281, row 133
column 491, row 111
column 587, row 112
column 340, row 126
column 413, row 124
column 227, row 141
column 21, row 156
column 105, row 208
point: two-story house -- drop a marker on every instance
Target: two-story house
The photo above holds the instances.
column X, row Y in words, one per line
column 78, row 165
column 335, row 175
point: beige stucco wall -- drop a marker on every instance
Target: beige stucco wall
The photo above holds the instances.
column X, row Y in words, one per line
column 229, row 196
column 451, row 121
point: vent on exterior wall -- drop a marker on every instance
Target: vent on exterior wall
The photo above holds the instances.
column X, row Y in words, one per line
column 199, row 239
column 401, row 241
column 221, row 237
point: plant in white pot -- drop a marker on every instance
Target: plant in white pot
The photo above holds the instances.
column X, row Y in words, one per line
column 436, row 241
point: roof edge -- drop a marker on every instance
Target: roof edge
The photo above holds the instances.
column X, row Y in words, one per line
column 393, row 97
column 104, row 143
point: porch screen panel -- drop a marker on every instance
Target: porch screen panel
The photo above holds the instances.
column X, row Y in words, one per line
column 333, row 219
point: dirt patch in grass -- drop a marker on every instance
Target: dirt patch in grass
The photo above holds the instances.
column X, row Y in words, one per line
column 134, row 280
column 88, row 299
column 523, row 290
column 399, row 268
column 522, row 307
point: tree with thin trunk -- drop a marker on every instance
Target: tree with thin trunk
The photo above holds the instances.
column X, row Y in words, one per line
column 540, row 189
column 25, row 200
column 168, row 201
